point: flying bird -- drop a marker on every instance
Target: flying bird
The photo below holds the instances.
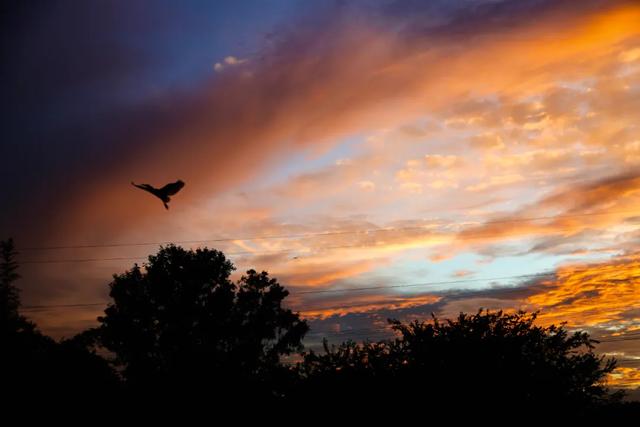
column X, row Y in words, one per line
column 163, row 193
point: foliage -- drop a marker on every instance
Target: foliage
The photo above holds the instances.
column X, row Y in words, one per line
column 487, row 361
column 179, row 330
column 182, row 321
column 34, row 364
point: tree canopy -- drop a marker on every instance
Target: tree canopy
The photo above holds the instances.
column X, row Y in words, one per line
column 31, row 363
column 181, row 320
column 10, row 319
column 179, row 327
column 486, row 361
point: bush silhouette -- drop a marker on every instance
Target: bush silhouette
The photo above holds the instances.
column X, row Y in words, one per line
column 180, row 331
column 10, row 319
column 182, row 324
column 33, row 364
column 489, row 363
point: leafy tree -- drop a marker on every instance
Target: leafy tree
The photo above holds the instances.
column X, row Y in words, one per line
column 488, row 363
column 33, row 364
column 8, row 274
column 10, row 319
column 181, row 321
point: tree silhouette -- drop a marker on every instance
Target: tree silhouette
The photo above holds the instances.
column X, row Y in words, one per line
column 33, row 364
column 489, row 363
column 10, row 319
column 179, row 328
column 8, row 275
column 182, row 322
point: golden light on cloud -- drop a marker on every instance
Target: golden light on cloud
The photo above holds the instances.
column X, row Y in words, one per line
column 591, row 295
column 315, row 274
column 390, row 82
column 625, row 378
column 508, row 120
column 378, row 159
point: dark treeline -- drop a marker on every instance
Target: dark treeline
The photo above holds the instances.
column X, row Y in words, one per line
column 180, row 331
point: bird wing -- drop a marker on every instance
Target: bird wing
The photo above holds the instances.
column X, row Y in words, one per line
column 172, row 188
column 147, row 188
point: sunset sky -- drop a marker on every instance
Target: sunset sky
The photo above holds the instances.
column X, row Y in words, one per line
column 443, row 155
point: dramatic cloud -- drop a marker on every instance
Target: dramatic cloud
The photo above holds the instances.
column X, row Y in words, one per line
column 601, row 298
column 300, row 91
column 381, row 159
column 599, row 295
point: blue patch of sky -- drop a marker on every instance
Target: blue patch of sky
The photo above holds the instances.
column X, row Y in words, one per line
column 185, row 39
column 414, row 268
column 311, row 160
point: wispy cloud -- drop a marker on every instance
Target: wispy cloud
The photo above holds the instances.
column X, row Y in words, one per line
column 480, row 134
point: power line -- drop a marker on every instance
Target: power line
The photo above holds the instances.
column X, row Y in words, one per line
column 45, row 307
column 327, row 291
column 359, row 289
column 53, row 306
column 386, row 328
column 140, row 258
column 413, row 285
column 357, row 333
column 311, row 234
column 621, row 339
column 62, row 261
column 307, row 251
column 373, row 332
column 324, row 291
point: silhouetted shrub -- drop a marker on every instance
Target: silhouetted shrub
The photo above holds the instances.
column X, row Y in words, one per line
column 486, row 363
column 180, row 331
column 33, row 367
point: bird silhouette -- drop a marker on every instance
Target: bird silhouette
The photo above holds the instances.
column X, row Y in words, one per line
column 163, row 193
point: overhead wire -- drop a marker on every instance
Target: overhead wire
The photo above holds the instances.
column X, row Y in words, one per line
column 316, row 234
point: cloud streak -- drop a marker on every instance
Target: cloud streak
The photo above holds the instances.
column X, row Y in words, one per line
column 446, row 126
column 302, row 91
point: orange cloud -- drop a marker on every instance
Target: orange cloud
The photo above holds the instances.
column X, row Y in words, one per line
column 462, row 273
column 596, row 204
column 305, row 94
column 591, row 295
column 316, row 274
column 625, row 378
column 234, row 125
